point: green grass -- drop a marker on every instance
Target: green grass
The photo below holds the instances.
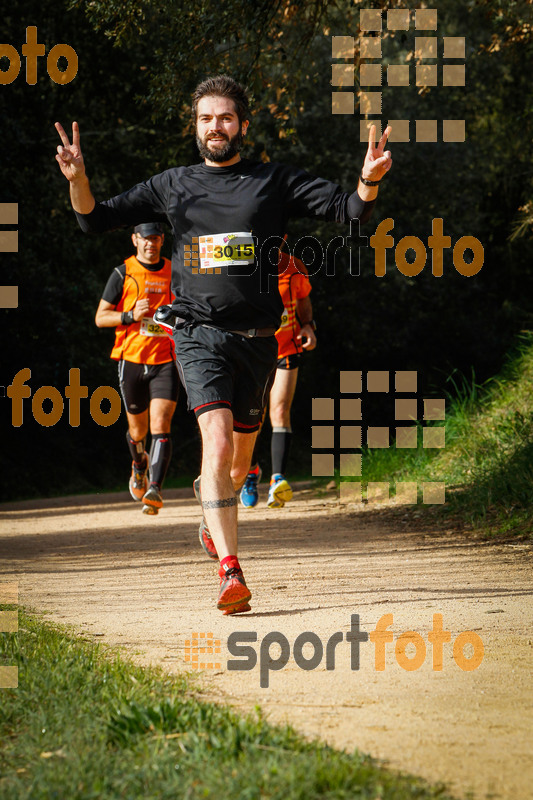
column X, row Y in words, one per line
column 85, row 723
column 487, row 463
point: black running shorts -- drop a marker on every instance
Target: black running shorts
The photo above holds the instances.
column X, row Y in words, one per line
column 220, row 369
column 289, row 362
column 140, row 383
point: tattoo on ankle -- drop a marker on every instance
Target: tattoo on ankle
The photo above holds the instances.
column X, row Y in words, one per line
column 228, row 501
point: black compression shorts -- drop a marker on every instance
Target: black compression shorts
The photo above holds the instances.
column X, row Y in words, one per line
column 140, row 383
column 220, row 369
column 289, row 362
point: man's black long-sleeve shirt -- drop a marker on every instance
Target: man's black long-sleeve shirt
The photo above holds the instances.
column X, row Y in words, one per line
column 205, row 207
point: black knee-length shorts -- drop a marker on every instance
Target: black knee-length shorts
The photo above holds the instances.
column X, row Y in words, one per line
column 220, row 369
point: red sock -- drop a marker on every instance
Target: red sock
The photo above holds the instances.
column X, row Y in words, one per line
column 230, row 562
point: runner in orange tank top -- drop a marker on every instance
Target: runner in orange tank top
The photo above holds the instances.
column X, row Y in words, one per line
column 147, row 372
column 295, row 335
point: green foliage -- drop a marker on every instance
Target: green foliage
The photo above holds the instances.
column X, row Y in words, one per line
column 490, row 456
column 256, row 42
column 487, row 463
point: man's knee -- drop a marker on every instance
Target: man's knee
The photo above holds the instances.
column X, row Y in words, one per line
column 280, row 413
column 160, row 424
column 217, row 446
column 138, row 429
column 161, row 413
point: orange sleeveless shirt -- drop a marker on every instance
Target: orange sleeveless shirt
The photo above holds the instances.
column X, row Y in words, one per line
column 144, row 342
column 293, row 285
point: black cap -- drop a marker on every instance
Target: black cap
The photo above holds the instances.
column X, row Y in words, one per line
column 149, row 229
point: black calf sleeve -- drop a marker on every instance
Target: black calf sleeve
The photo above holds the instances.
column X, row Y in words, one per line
column 136, row 449
column 160, row 455
column 279, row 449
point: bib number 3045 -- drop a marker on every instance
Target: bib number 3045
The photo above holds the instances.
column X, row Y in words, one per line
column 226, row 249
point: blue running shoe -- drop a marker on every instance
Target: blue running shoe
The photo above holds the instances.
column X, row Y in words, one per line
column 249, row 493
column 280, row 492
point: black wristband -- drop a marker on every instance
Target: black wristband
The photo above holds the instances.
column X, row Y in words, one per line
column 369, row 183
column 126, row 318
column 311, row 323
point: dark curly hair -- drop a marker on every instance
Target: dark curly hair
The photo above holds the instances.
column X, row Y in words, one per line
column 222, row 86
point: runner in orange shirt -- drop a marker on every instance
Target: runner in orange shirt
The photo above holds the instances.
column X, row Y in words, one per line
column 295, row 334
column 147, row 372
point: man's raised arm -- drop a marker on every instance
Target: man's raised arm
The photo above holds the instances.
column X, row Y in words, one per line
column 70, row 160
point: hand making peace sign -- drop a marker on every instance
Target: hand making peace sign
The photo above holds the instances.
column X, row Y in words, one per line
column 69, row 156
column 377, row 161
column 71, row 163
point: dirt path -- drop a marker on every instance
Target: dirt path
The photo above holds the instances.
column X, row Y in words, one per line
column 144, row 583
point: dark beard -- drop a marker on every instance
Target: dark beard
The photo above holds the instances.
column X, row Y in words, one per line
column 224, row 153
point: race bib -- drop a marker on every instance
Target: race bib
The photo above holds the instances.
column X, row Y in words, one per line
column 150, row 328
column 284, row 319
column 226, row 250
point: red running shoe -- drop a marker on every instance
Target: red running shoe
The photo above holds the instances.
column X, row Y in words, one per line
column 234, row 594
column 203, row 531
column 206, row 541
column 238, row 609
